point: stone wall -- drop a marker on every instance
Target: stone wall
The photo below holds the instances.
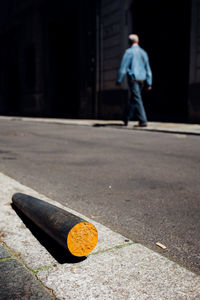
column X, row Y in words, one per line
column 21, row 64
column 112, row 25
column 111, row 20
column 194, row 76
column 32, row 95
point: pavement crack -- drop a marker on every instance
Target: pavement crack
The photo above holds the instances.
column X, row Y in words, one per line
column 117, row 247
column 42, row 268
column 5, row 259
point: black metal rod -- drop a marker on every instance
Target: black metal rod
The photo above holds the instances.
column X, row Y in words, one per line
column 73, row 233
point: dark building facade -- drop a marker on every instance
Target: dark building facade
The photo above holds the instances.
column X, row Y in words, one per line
column 47, row 58
column 60, row 58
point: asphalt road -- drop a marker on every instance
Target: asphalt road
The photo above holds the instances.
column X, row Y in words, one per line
column 144, row 185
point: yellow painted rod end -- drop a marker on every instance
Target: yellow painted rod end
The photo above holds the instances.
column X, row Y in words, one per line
column 82, row 239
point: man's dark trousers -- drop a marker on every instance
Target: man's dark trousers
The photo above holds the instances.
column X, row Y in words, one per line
column 135, row 105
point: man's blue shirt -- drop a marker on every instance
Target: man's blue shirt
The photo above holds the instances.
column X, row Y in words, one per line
column 135, row 63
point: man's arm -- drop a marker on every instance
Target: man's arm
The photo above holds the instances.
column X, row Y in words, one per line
column 148, row 73
column 123, row 67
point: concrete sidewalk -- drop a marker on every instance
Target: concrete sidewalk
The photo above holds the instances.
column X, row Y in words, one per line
column 118, row 268
column 178, row 128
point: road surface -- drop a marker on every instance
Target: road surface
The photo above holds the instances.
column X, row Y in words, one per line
column 144, row 185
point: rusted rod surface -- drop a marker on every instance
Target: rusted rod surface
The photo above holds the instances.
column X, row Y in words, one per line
column 70, row 231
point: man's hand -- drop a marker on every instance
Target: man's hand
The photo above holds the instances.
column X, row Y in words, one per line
column 149, row 88
column 117, row 85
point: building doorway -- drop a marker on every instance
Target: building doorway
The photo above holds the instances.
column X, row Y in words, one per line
column 163, row 27
column 11, row 76
column 64, row 68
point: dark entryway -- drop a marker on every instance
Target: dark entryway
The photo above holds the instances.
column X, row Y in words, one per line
column 163, row 27
column 11, row 73
column 64, row 68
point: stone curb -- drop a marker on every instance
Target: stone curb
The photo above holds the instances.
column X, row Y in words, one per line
column 117, row 269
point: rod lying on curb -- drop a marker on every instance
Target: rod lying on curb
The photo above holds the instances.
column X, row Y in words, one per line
column 76, row 235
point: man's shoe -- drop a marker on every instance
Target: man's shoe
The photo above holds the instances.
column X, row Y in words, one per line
column 125, row 122
column 141, row 125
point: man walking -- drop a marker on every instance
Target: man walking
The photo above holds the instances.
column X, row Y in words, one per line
column 135, row 63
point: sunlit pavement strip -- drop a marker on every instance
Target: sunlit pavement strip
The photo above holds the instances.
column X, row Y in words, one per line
column 116, row 269
column 179, row 128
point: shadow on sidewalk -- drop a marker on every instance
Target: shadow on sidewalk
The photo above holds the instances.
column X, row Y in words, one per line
column 60, row 254
column 108, row 125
